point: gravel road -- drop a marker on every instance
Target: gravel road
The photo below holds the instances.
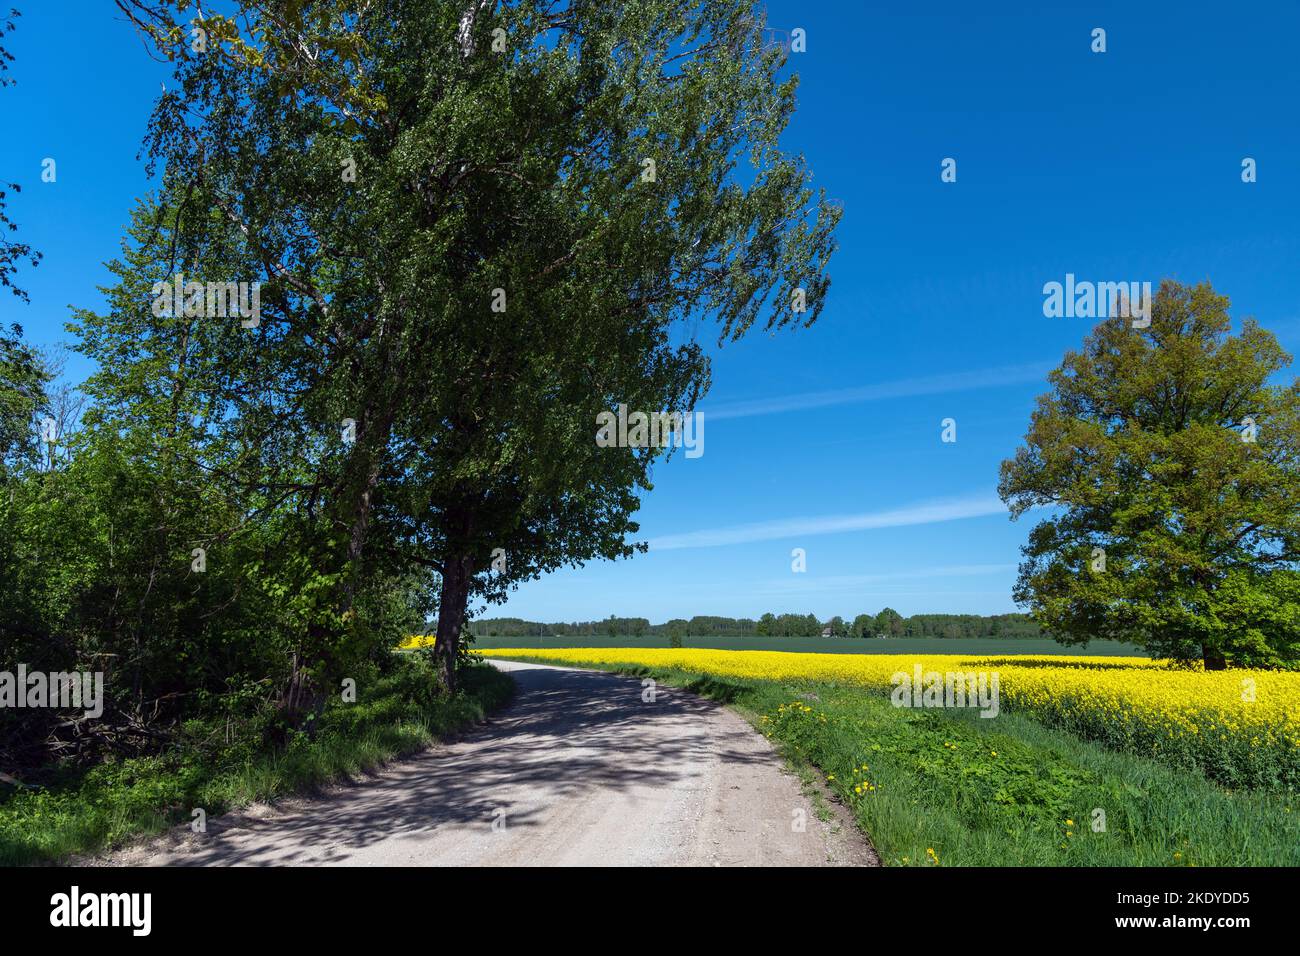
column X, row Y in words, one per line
column 578, row 770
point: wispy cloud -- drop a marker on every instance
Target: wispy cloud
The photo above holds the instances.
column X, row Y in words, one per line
column 927, row 513
column 903, row 388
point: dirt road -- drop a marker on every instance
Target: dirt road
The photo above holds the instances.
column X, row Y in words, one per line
column 578, row 770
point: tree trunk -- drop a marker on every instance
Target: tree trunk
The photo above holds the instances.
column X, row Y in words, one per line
column 375, row 435
column 452, row 602
column 1213, row 659
column 465, row 32
column 299, row 696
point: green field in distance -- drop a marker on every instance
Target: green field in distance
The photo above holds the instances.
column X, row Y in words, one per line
column 829, row 645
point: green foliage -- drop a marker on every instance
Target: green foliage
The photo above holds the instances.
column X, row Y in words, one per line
column 1009, row 792
column 97, row 552
column 824, row 645
column 207, row 539
column 958, row 626
column 476, row 171
column 1174, row 468
column 888, row 623
column 790, row 625
column 394, row 715
column 23, row 381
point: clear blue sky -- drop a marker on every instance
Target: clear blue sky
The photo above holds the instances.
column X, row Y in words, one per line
column 1116, row 166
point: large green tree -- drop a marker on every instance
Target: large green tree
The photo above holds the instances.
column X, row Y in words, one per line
column 479, row 224
column 1170, row 459
column 196, row 553
column 889, row 623
column 23, row 382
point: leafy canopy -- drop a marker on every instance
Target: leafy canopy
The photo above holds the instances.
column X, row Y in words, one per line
column 477, row 225
column 1171, row 461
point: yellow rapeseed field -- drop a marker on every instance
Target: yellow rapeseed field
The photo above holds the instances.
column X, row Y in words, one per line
column 1241, row 726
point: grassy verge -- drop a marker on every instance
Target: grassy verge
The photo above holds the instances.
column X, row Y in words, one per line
column 950, row 788
column 393, row 717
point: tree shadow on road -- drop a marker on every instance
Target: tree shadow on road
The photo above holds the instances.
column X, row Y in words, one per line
column 566, row 731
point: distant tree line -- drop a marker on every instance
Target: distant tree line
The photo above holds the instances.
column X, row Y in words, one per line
column 887, row 623
column 518, row 627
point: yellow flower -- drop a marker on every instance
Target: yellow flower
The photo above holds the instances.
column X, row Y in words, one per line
column 1134, row 703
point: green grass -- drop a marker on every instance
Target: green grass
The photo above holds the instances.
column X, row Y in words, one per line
column 1002, row 792
column 117, row 800
column 831, row 645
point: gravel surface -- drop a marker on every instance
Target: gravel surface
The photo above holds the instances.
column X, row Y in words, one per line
column 579, row 770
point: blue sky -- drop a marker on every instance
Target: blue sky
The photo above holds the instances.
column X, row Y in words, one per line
column 1117, row 166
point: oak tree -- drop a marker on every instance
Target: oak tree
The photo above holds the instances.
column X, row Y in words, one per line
column 1169, row 459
